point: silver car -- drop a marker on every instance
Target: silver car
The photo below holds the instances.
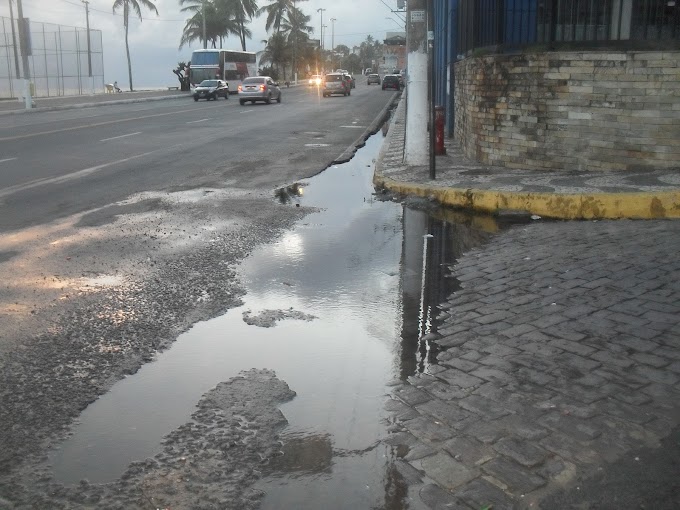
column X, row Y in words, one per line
column 259, row 88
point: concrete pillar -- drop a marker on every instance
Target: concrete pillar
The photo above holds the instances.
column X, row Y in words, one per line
column 416, row 149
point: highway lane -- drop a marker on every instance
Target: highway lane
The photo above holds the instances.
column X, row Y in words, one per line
column 57, row 163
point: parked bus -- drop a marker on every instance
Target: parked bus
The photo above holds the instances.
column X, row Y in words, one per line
column 230, row 66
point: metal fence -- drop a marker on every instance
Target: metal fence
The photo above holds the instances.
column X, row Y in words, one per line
column 483, row 23
column 58, row 62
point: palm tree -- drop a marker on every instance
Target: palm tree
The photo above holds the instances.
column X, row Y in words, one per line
column 222, row 18
column 277, row 52
column 276, row 11
column 193, row 29
column 296, row 29
column 242, row 12
column 135, row 5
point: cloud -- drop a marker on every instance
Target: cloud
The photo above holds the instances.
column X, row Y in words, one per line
column 154, row 41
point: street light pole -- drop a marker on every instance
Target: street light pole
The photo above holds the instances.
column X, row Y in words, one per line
column 89, row 48
column 321, row 39
column 205, row 39
column 24, row 41
column 14, row 39
column 333, row 20
column 295, row 36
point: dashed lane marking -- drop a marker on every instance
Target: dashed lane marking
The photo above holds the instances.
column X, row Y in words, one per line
column 64, row 178
column 95, row 124
column 121, row 136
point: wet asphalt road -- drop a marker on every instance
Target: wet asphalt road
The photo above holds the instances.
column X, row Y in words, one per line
column 54, row 164
column 121, row 227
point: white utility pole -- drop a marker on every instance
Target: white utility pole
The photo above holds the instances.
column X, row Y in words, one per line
column 333, row 20
column 321, row 37
column 89, row 48
column 205, row 40
column 25, row 42
column 14, row 40
column 416, row 141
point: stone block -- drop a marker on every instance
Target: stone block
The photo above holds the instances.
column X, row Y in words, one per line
column 428, row 430
column 437, row 498
column 485, row 407
column 518, row 479
column 480, row 493
column 443, row 412
column 459, row 378
column 447, row 472
column 521, row 451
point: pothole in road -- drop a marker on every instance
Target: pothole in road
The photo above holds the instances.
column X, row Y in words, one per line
column 351, row 292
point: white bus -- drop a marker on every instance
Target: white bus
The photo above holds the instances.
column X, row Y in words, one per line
column 228, row 65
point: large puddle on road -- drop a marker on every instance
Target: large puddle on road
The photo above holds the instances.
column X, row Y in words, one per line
column 371, row 272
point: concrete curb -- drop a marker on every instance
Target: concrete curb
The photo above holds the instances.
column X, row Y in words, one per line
column 370, row 130
column 580, row 206
column 565, row 206
column 41, row 109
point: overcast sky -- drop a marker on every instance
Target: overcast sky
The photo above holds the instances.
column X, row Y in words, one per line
column 154, row 41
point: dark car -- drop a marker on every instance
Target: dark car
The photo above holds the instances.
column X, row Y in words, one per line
column 391, row 81
column 336, row 83
column 373, row 78
column 211, row 89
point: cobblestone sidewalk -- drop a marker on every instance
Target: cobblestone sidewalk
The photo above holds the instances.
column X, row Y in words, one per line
column 560, row 354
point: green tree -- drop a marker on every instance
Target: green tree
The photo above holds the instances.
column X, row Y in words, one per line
column 135, row 5
column 242, row 12
column 193, row 28
column 352, row 63
column 275, row 12
column 277, row 52
column 342, row 50
column 221, row 20
column 296, row 28
column 368, row 51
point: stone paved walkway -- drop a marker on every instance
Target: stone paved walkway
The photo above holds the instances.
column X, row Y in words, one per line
column 560, row 354
column 559, row 358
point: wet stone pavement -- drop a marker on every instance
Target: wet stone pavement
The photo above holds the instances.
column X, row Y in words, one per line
column 559, row 355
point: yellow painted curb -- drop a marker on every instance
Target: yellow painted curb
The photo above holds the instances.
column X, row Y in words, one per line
column 577, row 206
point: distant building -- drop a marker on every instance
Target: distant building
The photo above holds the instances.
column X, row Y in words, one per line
column 394, row 52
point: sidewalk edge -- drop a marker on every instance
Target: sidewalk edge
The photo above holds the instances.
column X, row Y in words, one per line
column 580, row 206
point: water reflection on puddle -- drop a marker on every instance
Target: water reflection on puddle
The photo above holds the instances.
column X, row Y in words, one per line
column 357, row 267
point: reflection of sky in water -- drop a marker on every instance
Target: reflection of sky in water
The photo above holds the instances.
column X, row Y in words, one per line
column 339, row 264
column 357, row 265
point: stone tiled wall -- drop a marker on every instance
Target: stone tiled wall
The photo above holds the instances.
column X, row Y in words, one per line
column 571, row 110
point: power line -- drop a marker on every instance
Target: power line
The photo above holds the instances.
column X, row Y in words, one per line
column 118, row 15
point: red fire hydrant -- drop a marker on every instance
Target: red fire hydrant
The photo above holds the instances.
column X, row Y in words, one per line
column 439, row 122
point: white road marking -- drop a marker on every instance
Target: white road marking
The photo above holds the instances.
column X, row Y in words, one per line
column 353, row 127
column 195, row 121
column 310, row 145
column 89, row 126
column 246, row 111
column 7, row 159
column 68, row 177
column 121, row 136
